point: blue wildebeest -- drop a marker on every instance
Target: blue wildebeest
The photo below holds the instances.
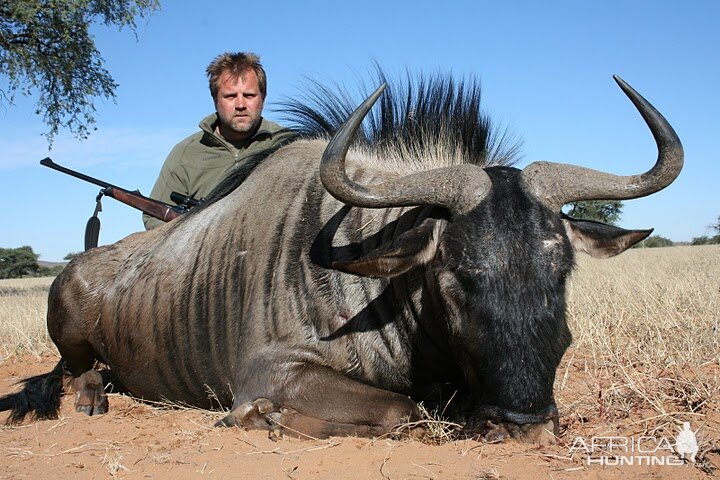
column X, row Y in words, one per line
column 340, row 284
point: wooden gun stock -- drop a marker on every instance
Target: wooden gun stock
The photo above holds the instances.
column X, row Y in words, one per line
column 154, row 208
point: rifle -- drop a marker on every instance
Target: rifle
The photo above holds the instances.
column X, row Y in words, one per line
column 135, row 199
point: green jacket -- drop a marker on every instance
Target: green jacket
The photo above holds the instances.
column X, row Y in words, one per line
column 197, row 164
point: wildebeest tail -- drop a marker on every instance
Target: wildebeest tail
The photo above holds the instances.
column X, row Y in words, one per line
column 40, row 397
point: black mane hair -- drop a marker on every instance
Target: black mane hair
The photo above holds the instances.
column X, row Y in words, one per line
column 417, row 114
column 420, row 119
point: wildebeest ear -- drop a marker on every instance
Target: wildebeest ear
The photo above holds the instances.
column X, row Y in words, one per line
column 410, row 249
column 600, row 240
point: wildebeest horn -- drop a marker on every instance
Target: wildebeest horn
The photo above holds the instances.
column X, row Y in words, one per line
column 457, row 188
column 557, row 184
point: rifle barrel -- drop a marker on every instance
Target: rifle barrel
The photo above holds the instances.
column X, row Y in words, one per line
column 152, row 207
column 47, row 162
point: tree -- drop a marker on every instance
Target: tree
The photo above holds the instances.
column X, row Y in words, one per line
column 46, row 47
column 707, row 240
column 716, row 226
column 606, row 211
column 18, row 262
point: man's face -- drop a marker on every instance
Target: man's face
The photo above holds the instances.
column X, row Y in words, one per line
column 239, row 105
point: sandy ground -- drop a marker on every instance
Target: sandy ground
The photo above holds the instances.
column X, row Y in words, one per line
column 136, row 440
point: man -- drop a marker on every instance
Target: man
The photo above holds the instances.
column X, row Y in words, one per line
column 227, row 138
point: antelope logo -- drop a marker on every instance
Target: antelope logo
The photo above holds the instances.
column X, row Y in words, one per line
column 686, row 442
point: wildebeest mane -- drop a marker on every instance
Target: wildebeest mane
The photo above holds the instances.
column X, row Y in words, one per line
column 423, row 122
column 433, row 120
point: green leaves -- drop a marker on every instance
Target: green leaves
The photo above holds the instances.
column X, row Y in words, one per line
column 46, row 49
column 605, row 211
column 18, row 262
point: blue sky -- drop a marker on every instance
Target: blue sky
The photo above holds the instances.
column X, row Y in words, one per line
column 545, row 68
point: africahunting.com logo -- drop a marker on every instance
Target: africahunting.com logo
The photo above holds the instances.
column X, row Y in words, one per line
column 640, row 450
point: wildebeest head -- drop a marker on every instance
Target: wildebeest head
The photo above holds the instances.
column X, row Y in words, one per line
column 497, row 264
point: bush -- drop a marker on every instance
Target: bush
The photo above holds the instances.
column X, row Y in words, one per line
column 53, row 271
column 655, row 241
column 705, row 240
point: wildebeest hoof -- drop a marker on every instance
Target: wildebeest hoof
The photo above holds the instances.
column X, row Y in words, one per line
column 539, row 433
column 276, row 423
column 542, row 434
column 495, row 432
column 90, row 397
column 249, row 415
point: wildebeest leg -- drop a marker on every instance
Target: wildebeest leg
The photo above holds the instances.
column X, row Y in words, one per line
column 82, row 380
column 319, row 402
column 293, row 423
column 78, row 358
column 261, row 414
column 90, row 397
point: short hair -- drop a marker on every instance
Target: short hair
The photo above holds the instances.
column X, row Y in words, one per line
column 236, row 64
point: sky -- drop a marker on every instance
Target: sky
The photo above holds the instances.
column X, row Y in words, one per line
column 545, row 69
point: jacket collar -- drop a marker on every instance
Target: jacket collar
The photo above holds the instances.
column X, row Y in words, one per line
column 208, row 124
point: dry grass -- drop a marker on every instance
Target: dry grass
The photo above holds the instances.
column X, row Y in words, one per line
column 23, row 308
column 657, row 306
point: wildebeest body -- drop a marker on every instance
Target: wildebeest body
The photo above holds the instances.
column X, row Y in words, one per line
column 236, row 316
column 330, row 295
